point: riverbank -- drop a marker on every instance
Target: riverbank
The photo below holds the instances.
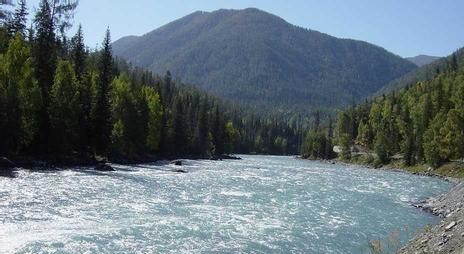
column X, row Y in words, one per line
column 451, row 171
column 448, row 236
column 9, row 166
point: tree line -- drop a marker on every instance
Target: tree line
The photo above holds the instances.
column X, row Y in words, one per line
column 59, row 99
column 422, row 123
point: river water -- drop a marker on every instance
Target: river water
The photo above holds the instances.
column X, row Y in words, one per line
column 261, row 204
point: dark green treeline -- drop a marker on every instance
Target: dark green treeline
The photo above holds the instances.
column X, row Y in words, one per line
column 59, row 99
column 423, row 123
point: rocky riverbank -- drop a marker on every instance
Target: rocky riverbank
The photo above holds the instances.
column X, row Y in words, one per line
column 8, row 167
column 448, row 236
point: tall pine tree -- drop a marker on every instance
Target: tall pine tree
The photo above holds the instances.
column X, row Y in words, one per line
column 102, row 109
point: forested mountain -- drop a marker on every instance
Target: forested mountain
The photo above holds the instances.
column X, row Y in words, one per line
column 423, row 122
column 422, row 60
column 256, row 58
column 423, row 73
column 59, row 100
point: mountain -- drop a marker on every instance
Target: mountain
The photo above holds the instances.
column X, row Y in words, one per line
column 422, row 60
column 256, row 58
column 422, row 73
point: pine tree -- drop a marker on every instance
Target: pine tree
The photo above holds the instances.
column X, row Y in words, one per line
column 44, row 55
column 78, row 53
column 203, row 135
column 407, row 135
column 64, row 109
column 382, row 148
column 217, row 132
column 123, row 110
column 453, row 63
column 179, row 128
column 20, row 98
column 102, row 109
column 153, row 138
column 19, row 20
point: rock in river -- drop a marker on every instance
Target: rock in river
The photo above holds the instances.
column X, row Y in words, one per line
column 177, row 162
column 103, row 167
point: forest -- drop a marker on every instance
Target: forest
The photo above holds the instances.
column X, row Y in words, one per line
column 58, row 99
column 420, row 124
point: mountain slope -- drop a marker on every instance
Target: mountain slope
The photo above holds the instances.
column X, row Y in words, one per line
column 423, row 73
column 422, row 60
column 256, row 58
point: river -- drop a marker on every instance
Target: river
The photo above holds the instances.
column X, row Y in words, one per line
column 261, row 204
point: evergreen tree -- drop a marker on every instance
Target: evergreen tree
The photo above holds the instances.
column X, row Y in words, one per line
column 44, row 55
column 407, row 134
column 64, row 109
column 123, row 109
column 18, row 23
column 202, row 133
column 78, row 53
column 382, row 148
column 231, row 135
column 453, row 63
column 179, row 128
column 102, row 110
column 217, row 132
column 154, row 118
column 20, row 98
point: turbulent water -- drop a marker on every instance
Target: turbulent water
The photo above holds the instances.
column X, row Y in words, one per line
column 261, row 204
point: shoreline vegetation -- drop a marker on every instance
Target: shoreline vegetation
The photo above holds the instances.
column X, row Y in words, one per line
column 419, row 130
column 63, row 103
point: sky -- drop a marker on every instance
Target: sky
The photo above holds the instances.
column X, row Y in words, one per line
column 404, row 27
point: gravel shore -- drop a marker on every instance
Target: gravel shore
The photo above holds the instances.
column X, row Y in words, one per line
column 448, row 236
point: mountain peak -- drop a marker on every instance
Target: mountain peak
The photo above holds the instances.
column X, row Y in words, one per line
column 257, row 58
column 422, row 60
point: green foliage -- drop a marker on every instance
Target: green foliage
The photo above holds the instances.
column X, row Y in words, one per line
column 344, row 141
column 64, row 109
column 382, row 148
column 151, row 97
column 424, row 73
column 317, row 145
column 20, row 98
column 231, row 136
column 102, row 110
column 87, row 104
column 122, row 108
column 424, row 122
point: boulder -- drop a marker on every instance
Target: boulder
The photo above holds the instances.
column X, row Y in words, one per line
column 177, row 162
column 103, row 167
column 450, row 226
column 5, row 163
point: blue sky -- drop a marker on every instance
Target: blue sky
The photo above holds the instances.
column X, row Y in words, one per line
column 404, row 27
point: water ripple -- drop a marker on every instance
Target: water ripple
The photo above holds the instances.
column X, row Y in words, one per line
column 262, row 204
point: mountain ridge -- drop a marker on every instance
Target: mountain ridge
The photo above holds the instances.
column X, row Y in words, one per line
column 423, row 73
column 259, row 59
column 421, row 60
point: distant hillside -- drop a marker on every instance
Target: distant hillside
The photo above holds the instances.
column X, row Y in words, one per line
column 423, row 73
column 422, row 60
column 256, row 58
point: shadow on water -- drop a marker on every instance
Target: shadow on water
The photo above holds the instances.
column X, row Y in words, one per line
column 8, row 173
